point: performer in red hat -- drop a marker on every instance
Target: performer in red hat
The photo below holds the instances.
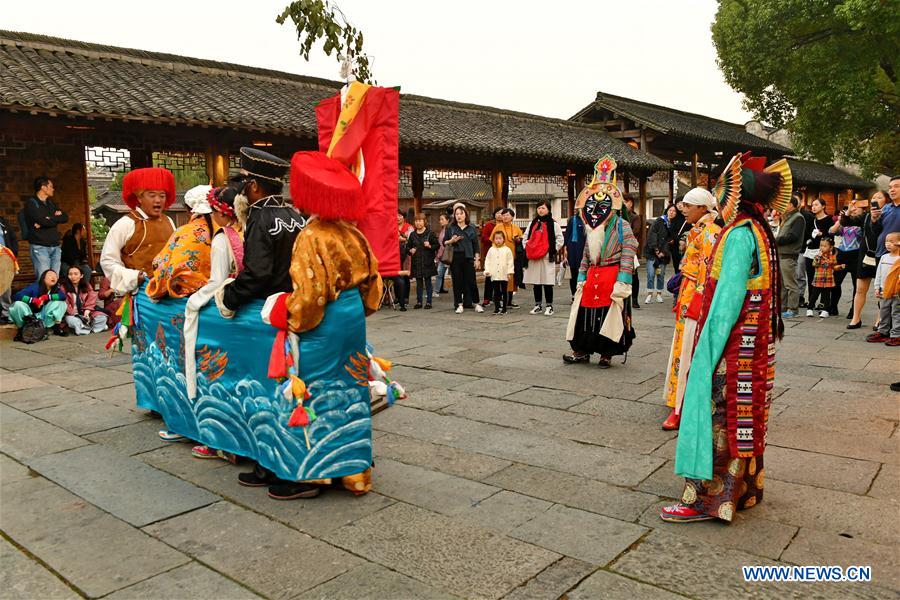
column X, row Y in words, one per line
column 134, row 240
column 335, row 286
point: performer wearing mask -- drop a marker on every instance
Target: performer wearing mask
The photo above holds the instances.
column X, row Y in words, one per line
column 600, row 320
column 722, row 435
column 699, row 209
column 270, row 227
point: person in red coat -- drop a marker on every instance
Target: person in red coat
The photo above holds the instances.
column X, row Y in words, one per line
column 486, row 231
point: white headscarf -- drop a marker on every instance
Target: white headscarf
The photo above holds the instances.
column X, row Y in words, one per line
column 195, row 199
column 700, row 197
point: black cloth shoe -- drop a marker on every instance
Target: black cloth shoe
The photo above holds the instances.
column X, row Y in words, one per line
column 60, row 330
column 895, row 387
column 635, row 305
column 258, row 477
column 604, row 362
column 292, row 490
column 417, row 305
column 428, row 306
column 402, row 308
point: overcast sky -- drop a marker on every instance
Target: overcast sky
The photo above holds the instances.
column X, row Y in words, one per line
column 548, row 58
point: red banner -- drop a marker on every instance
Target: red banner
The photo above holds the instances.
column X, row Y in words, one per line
column 375, row 131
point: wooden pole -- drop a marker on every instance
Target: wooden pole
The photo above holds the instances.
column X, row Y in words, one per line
column 500, row 187
column 672, row 175
column 572, row 193
column 216, row 164
column 418, row 187
column 642, row 196
column 695, row 175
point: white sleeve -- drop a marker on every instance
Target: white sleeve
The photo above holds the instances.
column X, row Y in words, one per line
column 220, row 270
column 121, row 279
column 559, row 235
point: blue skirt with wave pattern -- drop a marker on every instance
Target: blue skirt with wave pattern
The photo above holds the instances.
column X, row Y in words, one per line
column 238, row 408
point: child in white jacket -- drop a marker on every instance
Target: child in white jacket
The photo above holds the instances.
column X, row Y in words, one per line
column 499, row 265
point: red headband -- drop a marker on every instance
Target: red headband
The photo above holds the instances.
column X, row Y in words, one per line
column 223, row 207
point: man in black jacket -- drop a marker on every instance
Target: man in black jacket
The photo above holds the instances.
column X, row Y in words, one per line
column 42, row 218
column 8, row 239
column 269, row 231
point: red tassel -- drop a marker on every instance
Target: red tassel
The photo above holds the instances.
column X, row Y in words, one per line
column 299, row 418
column 278, row 359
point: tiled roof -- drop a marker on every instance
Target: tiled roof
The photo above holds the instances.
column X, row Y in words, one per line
column 679, row 123
column 81, row 79
column 806, row 172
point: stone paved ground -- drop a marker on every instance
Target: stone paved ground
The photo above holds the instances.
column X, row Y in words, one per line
column 504, row 475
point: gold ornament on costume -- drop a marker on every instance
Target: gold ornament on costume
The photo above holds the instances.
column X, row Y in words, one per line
column 726, row 511
column 751, row 501
column 761, row 479
column 689, row 496
column 752, row 466
column 715, row 486
column 736, row 467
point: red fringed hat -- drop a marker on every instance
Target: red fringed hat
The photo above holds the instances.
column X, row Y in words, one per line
column 324, row 186
column 151, row 178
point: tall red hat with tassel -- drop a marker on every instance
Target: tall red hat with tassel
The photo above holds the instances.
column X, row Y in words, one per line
column 325, row 187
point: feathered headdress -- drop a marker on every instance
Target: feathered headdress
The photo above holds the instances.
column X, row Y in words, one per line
column 746, row 178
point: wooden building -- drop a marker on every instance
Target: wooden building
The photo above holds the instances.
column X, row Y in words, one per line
column 699, row 146
column 62, row 101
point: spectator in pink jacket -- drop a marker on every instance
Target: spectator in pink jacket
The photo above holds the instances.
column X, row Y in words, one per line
column 82, row 315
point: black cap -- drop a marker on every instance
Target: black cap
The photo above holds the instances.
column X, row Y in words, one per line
column 263, row 165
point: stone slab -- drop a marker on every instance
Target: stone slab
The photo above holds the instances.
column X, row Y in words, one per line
column 887, row 483
column 595, row 462
column 652, row 562
column 548, row 421
column 493, row 388
column 663, row 482
column 748, row 531
column 121, row 395
column 439, row 492
column 547, row 397
column 619, row 411
column 611, row 586
column 332, row 509
column 554, row 581
column 192, row 581
column 131, row 439
column 11, row 471
column 461, row 559
column 17, row 358
column 36, row 398
column 23, row 436
column 576, row 492
column 22, row 577
column 504, row 511
column 176, row 459
column 101, row 475
column 89, row 416
column 12, row 382
column 861, row 517
column 820, row 470
column 618, row 433
column 93, row 550
column 96, row 378
column 433, row 398
column 585, row 536
column 373, row 582
column 266, row 556
column 445, row 459
column 812, row 547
